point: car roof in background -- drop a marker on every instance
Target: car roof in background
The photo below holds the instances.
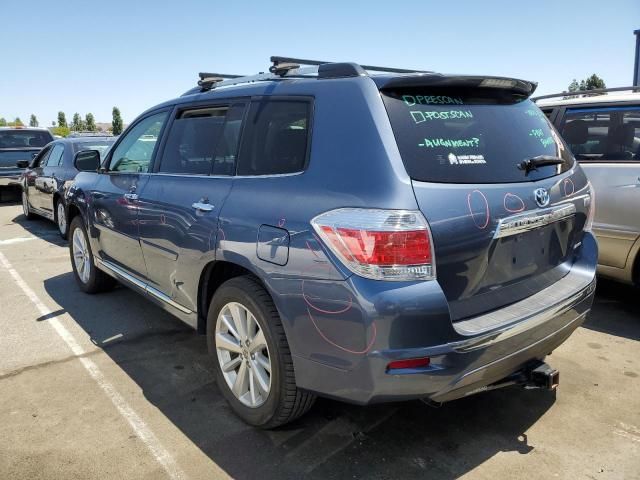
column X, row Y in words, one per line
column 35, row 129
column 106, row 138
column 609, row 98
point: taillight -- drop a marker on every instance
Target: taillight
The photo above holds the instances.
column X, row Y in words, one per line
column 588, row 226
column 379, row 244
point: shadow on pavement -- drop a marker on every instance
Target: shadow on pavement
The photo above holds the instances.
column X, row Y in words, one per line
column 40, row 227
column 616, row 310
column 410, row 440
column 10, row 195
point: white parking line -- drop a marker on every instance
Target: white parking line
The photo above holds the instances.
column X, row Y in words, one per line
column 141, row 429
column 11, row 241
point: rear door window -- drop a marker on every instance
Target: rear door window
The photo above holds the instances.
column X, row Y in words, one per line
column 471, row 136
column 603, row 134
column 192, row 141
column 203, row 141
column 275, row 139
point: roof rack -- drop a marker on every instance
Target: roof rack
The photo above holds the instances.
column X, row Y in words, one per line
column 291, row 67
column 587, row 92
column 301, row 61
column 208, row 80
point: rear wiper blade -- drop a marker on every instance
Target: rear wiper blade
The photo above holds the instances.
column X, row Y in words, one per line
column 539, row 161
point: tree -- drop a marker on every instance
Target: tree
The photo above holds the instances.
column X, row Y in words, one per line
column 53, row 124
column 61, row 131
column 62, row 120
column 3, row 122
column 76, row 123
column 90, row 122
column 594, row 82
column 590, row 83
column 574, row 86
column 33, row 121
column 116, row 123
column 17, row 123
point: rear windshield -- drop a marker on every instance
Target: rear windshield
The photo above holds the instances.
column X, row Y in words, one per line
column 470, row 137
column 24, row 138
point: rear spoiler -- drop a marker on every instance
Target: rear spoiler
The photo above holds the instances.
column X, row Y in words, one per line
column 515, row 85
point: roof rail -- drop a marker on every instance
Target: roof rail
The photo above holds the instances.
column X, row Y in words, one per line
column 301, row 61
column 287, row 66
column 587, row 92
column 208, row 80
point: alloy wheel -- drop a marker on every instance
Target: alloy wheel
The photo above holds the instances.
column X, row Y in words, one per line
column 243, row 354
column 62, row 219
column 25, row 204
column 81, row 255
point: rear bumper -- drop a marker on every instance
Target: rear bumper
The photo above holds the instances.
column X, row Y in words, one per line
column 482, row 353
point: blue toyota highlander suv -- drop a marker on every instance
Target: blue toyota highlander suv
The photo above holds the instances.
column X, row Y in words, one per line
column 333, row 231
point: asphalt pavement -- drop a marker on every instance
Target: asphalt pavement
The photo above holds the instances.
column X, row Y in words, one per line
column 110, row 386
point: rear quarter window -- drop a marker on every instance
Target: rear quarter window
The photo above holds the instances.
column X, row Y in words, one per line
column 471, row 137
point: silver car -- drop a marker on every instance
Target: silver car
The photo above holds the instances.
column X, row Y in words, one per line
column 603, row 131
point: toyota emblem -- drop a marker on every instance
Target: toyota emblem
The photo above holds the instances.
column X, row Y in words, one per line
column 542, row 196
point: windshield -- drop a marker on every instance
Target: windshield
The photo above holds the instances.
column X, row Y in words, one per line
column 101, row 146
column 24, row 138
column 471, row 137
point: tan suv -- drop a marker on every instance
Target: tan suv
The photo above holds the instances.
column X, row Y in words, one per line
column 603, row 131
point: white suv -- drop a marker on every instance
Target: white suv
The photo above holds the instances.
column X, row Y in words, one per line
column 603, row 131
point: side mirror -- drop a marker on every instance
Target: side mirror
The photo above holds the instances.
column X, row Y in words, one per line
column 22, row 163
column 87, row 160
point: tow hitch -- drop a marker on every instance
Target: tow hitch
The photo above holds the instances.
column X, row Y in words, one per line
column 535, row 375
column 543, row 376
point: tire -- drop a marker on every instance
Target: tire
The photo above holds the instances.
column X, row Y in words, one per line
column 284, row 402
column 26, row 210
column 61, row 214
column 89, row 278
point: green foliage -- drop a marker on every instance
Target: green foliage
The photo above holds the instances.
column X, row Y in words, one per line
column 90, row 122
column 16, row 123
column 590, row 83
column 61, row 131
column 3, row 122
column 574, row 86
column 594, row 82
column 116, row 123
column 76, row 123
column 33, row 121
column 62, row 120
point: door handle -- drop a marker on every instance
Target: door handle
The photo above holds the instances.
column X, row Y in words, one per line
column 131, row 196
column 203, row 207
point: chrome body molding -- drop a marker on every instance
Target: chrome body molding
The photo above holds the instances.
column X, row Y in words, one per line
column 141, row 285
column 532, row 219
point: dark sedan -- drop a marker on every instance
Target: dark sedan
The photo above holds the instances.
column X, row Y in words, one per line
column 19, row 145
column 51, row 171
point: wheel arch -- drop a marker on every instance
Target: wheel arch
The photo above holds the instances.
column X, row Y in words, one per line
column 72, row 212
column 213, row 275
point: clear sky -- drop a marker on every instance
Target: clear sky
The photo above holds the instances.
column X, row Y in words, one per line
column 85, row 56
